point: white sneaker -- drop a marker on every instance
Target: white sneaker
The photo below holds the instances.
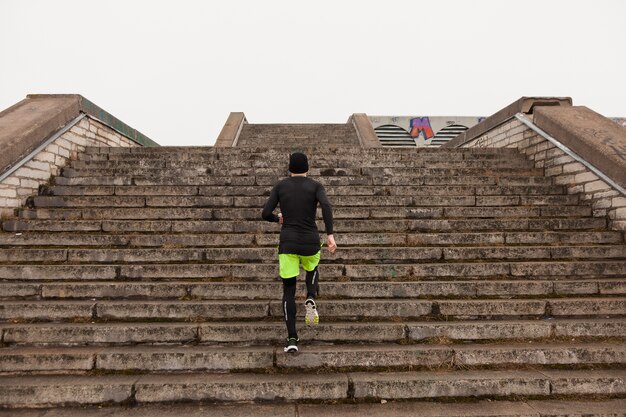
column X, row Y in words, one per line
column 311, row 316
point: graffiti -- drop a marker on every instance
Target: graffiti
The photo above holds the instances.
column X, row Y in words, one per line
column 412, row 131
column 620, row 121
column 421, row 125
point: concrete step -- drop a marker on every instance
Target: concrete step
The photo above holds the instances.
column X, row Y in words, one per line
column 182, row 289
column 318, row 150
column 345, row 254
column 44, row 391
column 336, row 357
column 313, row 172
column 427, row 210
column 546, row 408
column 541, row 270
column 194, row 225
column 372, row 201
column 328, row 181
column 250, row 333
column 236, row 163
column 270, row 239
column 329, row 309
column 203, row 153
column 342, row 190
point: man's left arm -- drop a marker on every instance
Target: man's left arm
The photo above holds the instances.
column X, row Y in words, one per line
column 327, row 215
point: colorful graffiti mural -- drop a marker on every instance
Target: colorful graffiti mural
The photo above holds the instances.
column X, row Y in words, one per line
column 620, row 121
column 411, row 131
column 421, row 125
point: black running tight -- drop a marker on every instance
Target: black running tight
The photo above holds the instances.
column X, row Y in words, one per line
column 289, row 298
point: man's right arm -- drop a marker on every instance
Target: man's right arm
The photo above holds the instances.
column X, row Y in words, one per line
column 270, row 205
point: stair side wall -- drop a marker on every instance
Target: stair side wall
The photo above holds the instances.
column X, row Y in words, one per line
column 25, row 181
column 604, row 199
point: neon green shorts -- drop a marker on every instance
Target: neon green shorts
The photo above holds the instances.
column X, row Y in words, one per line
column 290, row 264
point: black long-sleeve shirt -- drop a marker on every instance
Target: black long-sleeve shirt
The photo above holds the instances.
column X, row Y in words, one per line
column 298, row 198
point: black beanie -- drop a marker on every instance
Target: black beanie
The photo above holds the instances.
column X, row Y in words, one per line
column 298, row 163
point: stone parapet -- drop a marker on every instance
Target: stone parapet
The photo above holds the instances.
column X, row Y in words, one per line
column 605, row 200
column 524, row 105
column 365, row 131
column 28, row 126
column 25, row 181
column 231, row 130
column 594, row 137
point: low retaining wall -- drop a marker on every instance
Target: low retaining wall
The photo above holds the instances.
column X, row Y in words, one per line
column 593, row 138
column 27, row 126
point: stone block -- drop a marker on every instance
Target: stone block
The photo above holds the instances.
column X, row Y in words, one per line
column 24, row 172
column 324, row 332
column 8, row 192
column 590, row 328
column 13, row 290
column 588, row 307
column 415, row 385
column 542, row 354
column 42, row 391
column 240, row 387
column 373, row 356
column 99, row 334
column 45, row 360
column 489, row 308
column 45, row 310
column 480, row 330
column 364, row 308
column 610, row 382
column 166, row 359
column 612, row 287
column 181, row 310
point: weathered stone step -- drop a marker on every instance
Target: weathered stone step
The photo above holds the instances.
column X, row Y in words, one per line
column 75, row 334
column 313, row 151
column 487, row 383
column 267, row 290
column 44, row 391
column 372, row 201
column 345, row 254
column 388, row 356
column 427, row 211
column 543, row 270
column 319, row 163
column 546, row 408
column 270, row 239
column 329, row 309
column 327, row 181
column 313, row 172
column 250, row 191
column 242, row 226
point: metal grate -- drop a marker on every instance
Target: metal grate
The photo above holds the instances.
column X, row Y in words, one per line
column 392, row 135
column 445, row 135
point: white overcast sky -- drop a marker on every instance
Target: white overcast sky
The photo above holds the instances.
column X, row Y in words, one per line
column 175, row 69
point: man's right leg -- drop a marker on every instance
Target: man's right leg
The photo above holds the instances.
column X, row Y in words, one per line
column 289, row 306
column 289, row 266
column 312, row 283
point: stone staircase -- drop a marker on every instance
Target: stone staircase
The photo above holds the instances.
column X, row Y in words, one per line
column 296, row 135
column 145, row 276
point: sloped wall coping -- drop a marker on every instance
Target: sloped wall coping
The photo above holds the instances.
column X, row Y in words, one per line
column 524, row 105
column 27, row 124
column 595, row 138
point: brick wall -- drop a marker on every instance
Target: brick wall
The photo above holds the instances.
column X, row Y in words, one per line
column 25, row 181
column 604, row 199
